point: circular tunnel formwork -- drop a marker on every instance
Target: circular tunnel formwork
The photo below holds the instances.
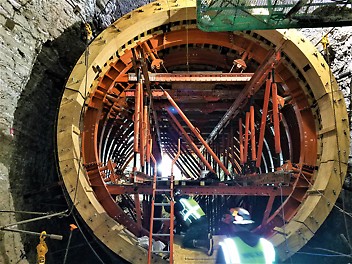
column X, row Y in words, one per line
column 316, row 138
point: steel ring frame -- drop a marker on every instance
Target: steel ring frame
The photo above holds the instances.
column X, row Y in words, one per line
column 324, row 143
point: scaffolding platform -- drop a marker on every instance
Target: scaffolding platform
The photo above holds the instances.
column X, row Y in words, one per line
column 226, row 15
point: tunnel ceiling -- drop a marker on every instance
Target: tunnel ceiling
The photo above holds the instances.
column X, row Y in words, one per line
column 265, row 102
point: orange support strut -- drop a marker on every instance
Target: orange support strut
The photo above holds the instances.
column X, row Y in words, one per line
column 141, row 127
column 263, row 122
column 252, row 133
column 197, row 134
column 246, row 135
column 137, row 116
column 276, row 118
column 190, row 142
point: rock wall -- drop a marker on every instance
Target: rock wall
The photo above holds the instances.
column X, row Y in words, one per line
column 39, row 43
column 340, row 59
column 24, row 27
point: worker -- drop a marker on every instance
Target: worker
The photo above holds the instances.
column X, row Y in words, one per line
column 190, row 217
column 242, row 246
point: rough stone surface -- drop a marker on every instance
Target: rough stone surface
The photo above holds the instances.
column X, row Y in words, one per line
column 24, row 27
column 114, row 9
column 11, row 247
column 39, row 43
column 340, row 53
column 340, row 59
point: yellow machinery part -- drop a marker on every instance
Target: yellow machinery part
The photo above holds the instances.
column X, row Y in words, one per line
column 42, row 249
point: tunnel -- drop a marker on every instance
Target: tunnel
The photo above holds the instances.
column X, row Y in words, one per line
column 260, row 109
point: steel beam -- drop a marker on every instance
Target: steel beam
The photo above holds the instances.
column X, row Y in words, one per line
column 218, row 77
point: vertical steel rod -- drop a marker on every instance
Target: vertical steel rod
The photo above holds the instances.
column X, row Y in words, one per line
column 276, row 118
column 252, row 133
column 246, row 136
column 263, row 122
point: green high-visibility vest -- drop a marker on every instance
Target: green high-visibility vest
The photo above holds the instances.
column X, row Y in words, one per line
column 236, row 251
column 191, row 210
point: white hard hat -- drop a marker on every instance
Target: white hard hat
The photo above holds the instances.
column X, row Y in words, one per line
column 241, row 215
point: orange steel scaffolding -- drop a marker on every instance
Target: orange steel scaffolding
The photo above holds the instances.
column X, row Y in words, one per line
column 197, row 134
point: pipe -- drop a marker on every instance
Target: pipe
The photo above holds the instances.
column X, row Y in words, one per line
column 51, row 236
column 63, row 213
column 23, row 212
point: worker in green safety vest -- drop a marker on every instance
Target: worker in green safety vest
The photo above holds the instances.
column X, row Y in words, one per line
column 242, row 246
column 191, row 218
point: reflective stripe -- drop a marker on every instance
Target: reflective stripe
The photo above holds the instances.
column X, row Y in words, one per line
column 237, row 252
column 225, row 252
column 269, row 251
column 230, row 251
column 193, row 211
column 190, row 209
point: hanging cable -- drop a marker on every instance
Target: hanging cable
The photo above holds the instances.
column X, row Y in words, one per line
column 284, row 222
column 72, row 227
column 76, row 10
column 86, row 61
column 324, row 255
column 322, row 194
column 85, row 238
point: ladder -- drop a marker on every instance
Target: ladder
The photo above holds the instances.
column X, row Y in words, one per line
column 163, row 189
